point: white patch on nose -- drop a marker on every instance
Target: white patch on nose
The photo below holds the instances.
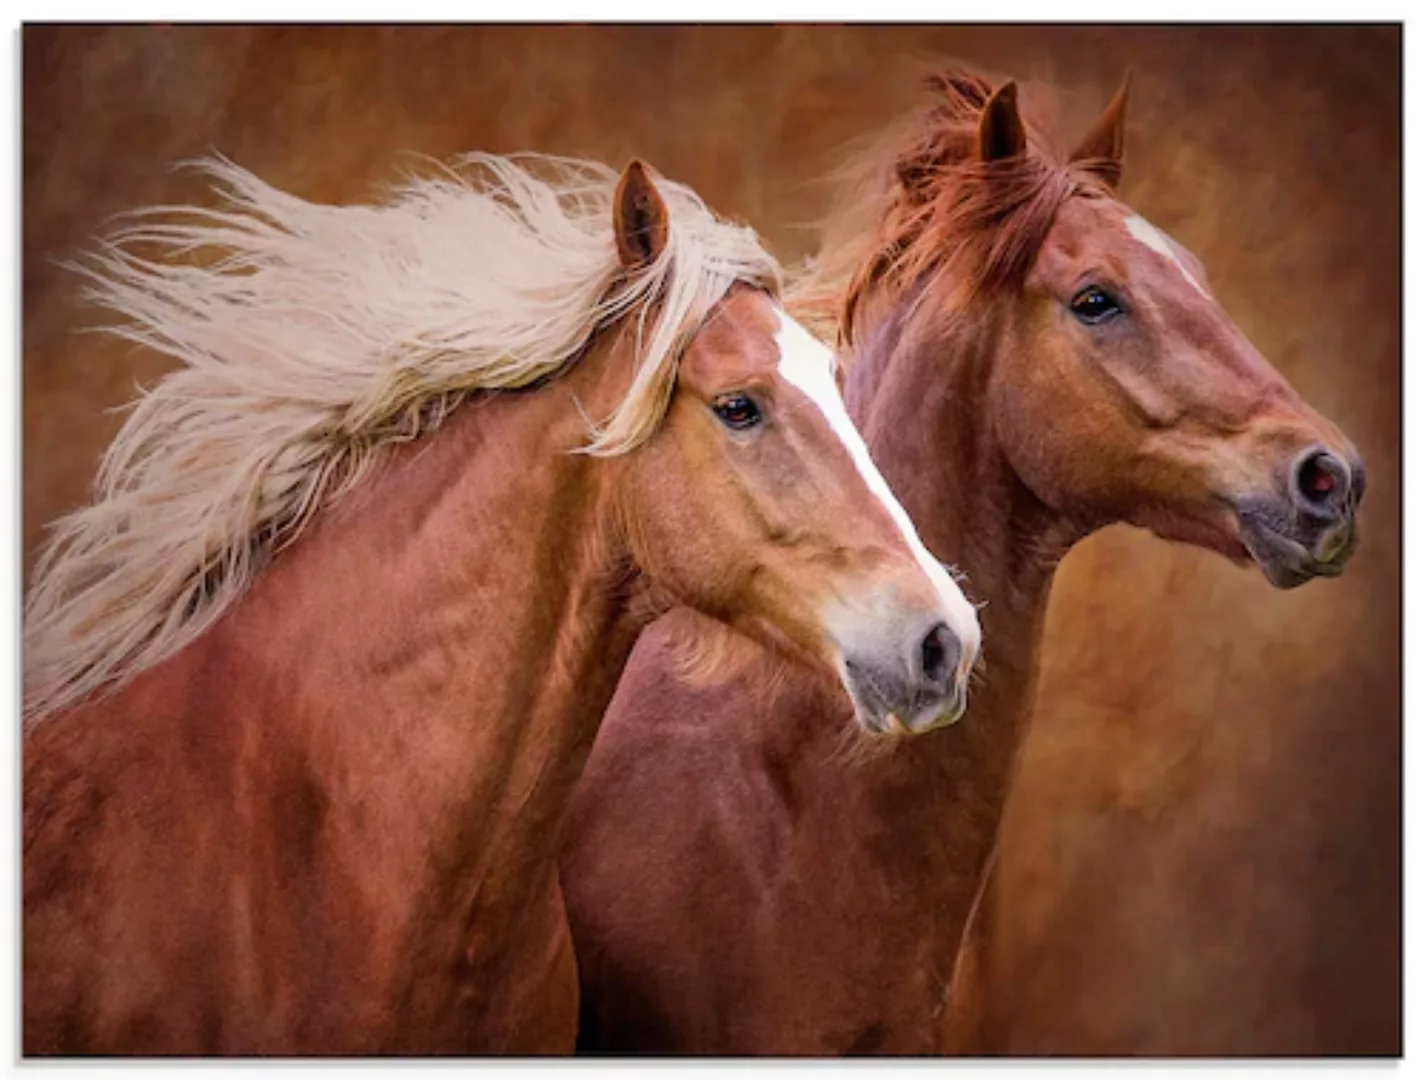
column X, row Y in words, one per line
column 1151, row 236
column 811, row 367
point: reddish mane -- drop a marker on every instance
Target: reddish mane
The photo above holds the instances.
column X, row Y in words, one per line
column 917, row 205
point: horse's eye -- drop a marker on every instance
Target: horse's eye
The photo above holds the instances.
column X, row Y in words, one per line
column 1093, row 306
column 737, row 411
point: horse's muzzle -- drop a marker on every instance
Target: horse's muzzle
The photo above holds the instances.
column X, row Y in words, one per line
column 915, row 689
column 1309, row 529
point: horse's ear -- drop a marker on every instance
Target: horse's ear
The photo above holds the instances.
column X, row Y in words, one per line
column 640, row 217
column 1001, row 129
column 1101, row 150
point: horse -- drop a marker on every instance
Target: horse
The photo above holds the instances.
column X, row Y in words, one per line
column 309, row 684
column 1033, row 361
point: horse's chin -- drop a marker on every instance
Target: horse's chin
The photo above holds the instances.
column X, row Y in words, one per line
column 878, row 720
column 1285, row 562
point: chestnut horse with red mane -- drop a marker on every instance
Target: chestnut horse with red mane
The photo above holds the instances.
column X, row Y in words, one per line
column 1033, row 362
column 307, row 705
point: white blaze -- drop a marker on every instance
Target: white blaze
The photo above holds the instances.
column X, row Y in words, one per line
column 811, row 367
column 1149, row 235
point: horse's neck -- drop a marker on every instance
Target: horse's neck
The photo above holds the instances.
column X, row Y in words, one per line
column 939, row 451
column 940, row 454
column 447, row 638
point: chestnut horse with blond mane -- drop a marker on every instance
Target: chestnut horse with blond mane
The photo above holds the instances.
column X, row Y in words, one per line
column 1033, row 361
column 310, row 684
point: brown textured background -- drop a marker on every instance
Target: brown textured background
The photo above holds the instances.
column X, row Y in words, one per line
column 1203, row 849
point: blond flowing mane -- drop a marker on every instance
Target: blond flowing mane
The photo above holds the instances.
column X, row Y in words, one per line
column 311, row 339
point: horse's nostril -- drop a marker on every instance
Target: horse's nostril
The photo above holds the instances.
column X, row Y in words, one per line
column 1321, row 478
column 939, row 656
column 1317, row 481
